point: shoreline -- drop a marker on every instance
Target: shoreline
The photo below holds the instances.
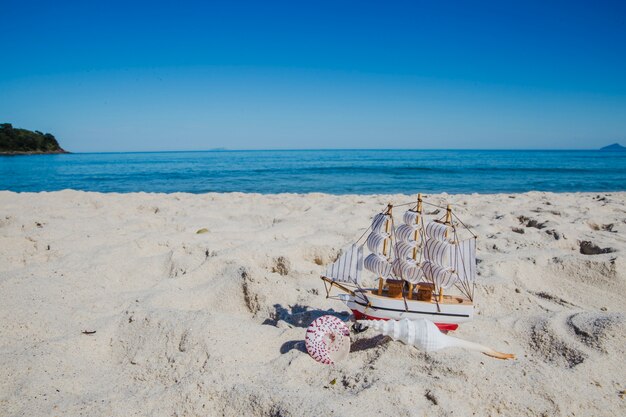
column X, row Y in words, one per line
column 320, row 194
column 23, row 153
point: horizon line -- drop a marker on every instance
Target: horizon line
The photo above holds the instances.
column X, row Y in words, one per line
column 340, row 149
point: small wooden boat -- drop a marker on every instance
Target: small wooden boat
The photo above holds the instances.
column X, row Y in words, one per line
column 426, row 268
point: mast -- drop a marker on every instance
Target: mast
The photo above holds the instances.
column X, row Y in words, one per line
column 379, row 243
column 381, row 280
column 418, row 209
column 408, row 247
column 447, row 222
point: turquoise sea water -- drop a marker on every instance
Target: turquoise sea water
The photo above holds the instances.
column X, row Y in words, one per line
column 328, row 171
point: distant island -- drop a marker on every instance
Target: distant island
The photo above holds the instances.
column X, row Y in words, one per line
column 15, row 141
column 614, row 147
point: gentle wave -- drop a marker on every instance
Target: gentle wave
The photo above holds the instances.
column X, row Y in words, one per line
column 336, row 172
column 387, row 169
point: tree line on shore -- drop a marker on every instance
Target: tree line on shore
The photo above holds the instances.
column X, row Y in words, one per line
column 16, row 141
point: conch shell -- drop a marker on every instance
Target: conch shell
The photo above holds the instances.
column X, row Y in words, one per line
column 425, row 335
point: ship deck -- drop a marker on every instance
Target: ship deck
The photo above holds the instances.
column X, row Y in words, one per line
column 447, row 299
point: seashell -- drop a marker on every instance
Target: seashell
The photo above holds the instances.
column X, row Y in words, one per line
column 425, row 335
column 328, row 340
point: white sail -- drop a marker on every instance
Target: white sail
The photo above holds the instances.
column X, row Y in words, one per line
column 407, row 233
column 405, row 250
column 348, row 267
column 437, row 231
column 379, row 223
column 438, row 252
column 408, row 270
column 441, row 276
column 411, row 218
column 465, row 260
column 376, row 242
column 379, row 265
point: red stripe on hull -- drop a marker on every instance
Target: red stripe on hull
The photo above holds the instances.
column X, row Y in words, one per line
column 444, row 327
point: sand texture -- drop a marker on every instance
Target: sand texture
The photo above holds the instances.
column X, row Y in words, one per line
column 213, row 323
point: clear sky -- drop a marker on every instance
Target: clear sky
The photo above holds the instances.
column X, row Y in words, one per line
column 138, row 76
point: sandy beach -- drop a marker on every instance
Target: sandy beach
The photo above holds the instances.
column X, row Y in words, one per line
column 115, row 305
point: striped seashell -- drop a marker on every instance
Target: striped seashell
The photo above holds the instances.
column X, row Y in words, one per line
column 328, row 340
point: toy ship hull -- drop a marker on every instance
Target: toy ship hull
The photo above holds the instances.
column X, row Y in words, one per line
column 366, row 304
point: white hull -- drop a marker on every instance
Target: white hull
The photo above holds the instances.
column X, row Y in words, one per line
column 367, row 304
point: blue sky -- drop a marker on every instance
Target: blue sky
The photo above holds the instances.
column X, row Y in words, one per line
column 139, row 76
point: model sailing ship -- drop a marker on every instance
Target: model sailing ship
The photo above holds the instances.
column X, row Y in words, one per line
column 426, row 268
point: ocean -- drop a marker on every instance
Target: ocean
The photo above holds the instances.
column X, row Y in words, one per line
column 325, row 171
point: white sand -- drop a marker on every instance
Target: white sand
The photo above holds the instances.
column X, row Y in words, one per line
column 213, row 323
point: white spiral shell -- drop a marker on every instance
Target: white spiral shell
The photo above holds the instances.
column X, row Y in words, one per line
column 420, row 333
column 328, row 340
column 425, row 335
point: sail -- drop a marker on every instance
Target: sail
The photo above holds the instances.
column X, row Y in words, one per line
column 379, row 223
column 411, row 218
column 465, row 260
column 437, row 231
column 379, row 243
column 405, row 250
column 439, row 258
column 376, row 242
column 378, row 264
column 408, row 270
column 438, row 252
column 348, row 267
column 407, row 233
column 441, row 276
